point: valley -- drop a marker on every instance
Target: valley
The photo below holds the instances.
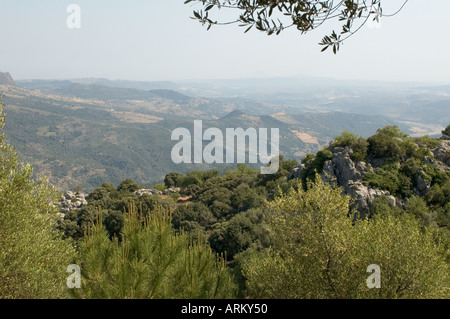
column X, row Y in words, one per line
column 83, row 133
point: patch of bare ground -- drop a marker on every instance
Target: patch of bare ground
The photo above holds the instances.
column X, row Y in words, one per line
column 306, row 138
column 137, row 118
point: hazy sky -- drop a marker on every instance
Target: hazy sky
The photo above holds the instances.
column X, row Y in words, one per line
column 156, row 40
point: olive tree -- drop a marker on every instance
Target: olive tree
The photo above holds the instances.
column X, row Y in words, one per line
column 319, row 251
column 33, row 256
column 274, row 16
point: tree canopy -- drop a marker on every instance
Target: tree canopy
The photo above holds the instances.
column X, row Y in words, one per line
column 274, row 16
column 318, row 251
column 150, row 261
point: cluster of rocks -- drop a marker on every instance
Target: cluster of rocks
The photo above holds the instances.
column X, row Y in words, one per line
column 143, row 191
column 343, row 171
column 168, row 191
column 70, row 201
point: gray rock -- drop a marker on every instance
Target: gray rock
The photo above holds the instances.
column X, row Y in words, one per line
column 344, row 172
column 337, row 149
column 70, row 201
column 364, row 195
column 423, row 185
column 69, row 195
column 328, row 173
column 296, row 172
column 143, row 191
column 66, row 203
column 76, row 204
column 342, row 169
column 361, row 195
column 361, row 166
column 392, row 199
column 442, row 152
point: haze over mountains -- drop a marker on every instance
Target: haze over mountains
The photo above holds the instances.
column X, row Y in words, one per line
column 89, row 131
column 410, row 102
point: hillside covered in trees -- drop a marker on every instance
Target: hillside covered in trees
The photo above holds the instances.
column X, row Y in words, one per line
column 308, row 231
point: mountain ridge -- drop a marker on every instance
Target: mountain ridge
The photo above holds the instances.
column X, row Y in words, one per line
column 109, row 134
column 6, row 79
column 87, row 142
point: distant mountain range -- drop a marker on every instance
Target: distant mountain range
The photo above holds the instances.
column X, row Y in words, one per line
column 421, row 106
column 86, row 132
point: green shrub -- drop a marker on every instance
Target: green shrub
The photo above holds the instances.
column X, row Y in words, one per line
column 314, row 164
column 386, row 178
column 359, row 145
column 171, row 179
column 345, row 139
column 239, row 233
column 160, row 187
column 128, row 185
column 426, row 141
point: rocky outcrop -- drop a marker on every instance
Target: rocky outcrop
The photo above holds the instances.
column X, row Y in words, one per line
column 168, row 191
column 143, row 191
column 343, row 171
column 442, row 153
column 6, row 79
column 422, row 185
column 296, row 172
column 363, row 196
column 70, row 201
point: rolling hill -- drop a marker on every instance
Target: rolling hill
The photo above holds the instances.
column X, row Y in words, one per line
column 88, row 134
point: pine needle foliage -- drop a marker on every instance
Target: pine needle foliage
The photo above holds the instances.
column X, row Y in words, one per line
column 150, row 261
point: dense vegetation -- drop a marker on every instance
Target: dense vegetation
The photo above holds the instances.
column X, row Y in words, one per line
column 318, row 251
column 235, row 233
column 33, row 257
column 150, row 261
